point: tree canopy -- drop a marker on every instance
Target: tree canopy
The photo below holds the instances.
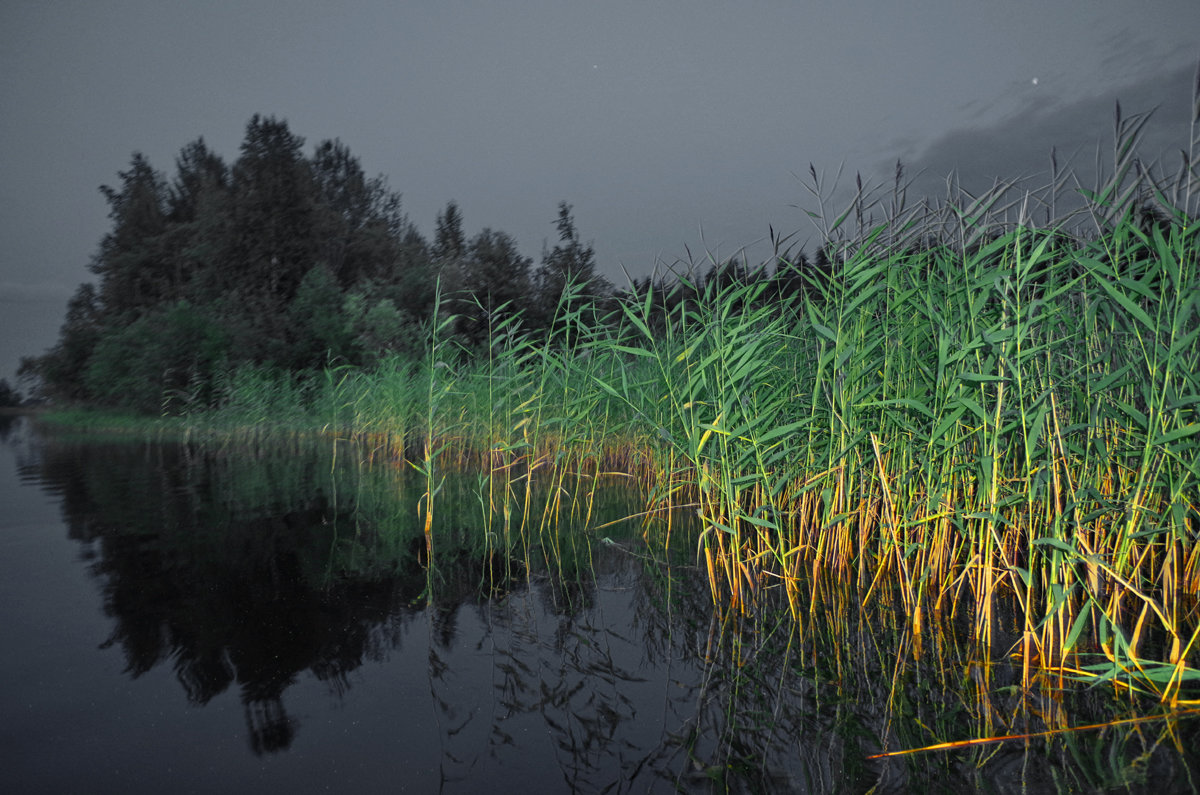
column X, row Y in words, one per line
column 281, row 259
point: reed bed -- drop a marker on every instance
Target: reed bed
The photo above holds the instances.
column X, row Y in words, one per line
column 955, row 432
column 963, row 414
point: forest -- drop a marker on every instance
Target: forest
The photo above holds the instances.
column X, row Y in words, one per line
column 285, row 261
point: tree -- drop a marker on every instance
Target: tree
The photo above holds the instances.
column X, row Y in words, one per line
column 318, row 330
column 9, row 397
column 380, row 328
column 273, row 238
column 568, row 263
column 58, row 373
column 359, row 220
column 448, row 252
column 413, row 275
column 131, row 262
column 198, row 208
column 200, row 175
column 495, row 283
column 450, row 243
column 165, row 359
column 277, row 259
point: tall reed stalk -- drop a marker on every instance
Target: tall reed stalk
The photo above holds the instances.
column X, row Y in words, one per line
column 439, row 382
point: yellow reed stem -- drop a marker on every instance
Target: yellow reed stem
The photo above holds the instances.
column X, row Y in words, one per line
column 956, row 744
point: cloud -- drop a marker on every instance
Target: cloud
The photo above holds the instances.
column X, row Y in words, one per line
column 1020, row 145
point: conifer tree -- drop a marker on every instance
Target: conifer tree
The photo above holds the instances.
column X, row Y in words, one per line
column 273, row 238
column 131, row 262
column 569, row 262
column 495, row 283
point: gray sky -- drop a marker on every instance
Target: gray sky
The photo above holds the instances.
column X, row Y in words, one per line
column 664, row 123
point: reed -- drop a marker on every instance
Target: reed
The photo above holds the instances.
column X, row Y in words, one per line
column 966, row 415
column 955, row 432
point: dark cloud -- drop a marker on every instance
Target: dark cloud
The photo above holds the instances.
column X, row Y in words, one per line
column 1020, row 145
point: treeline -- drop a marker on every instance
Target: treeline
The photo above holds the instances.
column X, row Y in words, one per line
column 285, row 261
column 292, row 263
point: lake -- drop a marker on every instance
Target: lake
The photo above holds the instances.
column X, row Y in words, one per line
column 186, row 617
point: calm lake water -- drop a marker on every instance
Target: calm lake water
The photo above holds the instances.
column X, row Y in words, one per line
column 182, row 618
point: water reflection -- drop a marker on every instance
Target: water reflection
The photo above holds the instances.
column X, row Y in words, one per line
column 219, row 565
column 525, row 659
column 8, row 424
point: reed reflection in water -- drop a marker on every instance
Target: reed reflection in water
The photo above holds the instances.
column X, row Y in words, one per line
column 291, row 585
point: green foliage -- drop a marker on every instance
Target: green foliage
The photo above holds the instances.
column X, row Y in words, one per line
column 262, row 398
column 494, row 281
column 380, row 328
column 1010, row 424
column 59, row 371
column 283, row 261
column 318, row 329
column 450, row 242
column 131, row 263
column 166, row 360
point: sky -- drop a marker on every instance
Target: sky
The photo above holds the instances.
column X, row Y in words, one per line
column 670, row 126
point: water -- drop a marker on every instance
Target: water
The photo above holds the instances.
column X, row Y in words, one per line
column 190, row 619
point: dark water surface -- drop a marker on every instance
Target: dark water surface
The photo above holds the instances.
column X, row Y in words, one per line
column 180, row 618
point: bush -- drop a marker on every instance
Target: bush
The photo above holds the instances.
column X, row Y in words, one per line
column 165, row 361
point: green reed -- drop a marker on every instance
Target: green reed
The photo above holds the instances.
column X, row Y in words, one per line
column 964, row 415
column 1016, row 421
column 951, row 430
